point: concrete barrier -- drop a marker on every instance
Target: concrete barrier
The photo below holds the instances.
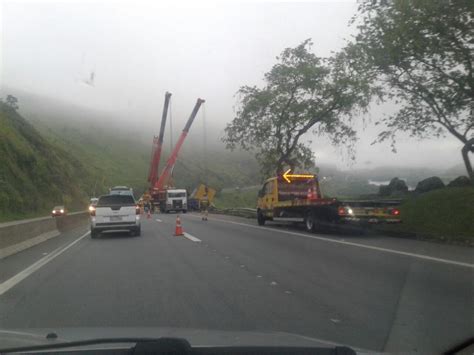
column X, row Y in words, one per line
column 16, row 236
column 71, row 221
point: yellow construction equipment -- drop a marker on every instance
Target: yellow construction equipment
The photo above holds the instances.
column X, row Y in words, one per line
column 198, row 194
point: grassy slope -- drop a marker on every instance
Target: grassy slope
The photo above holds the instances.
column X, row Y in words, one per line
column 237, row 199
column 446, row 213
column 115, row 160
column 35, row 174
column 118, row 159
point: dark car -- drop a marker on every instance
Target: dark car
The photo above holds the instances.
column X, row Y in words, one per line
column 58, row 211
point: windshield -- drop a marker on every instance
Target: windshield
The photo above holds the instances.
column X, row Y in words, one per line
column 112, row 200
column 176, row 194
column 300, row 169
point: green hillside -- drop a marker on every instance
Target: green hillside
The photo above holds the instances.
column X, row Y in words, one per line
column 115, row 160
column 35, row 174
column 120, row 158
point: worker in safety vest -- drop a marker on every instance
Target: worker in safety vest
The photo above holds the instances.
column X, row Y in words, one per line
column 204, row 205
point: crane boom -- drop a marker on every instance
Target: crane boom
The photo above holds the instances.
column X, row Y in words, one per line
column 158, row 144
column 163, row 179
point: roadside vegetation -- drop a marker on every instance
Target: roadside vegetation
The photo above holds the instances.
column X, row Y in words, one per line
column 236, row 198
column 35, row 174
column 444, row 214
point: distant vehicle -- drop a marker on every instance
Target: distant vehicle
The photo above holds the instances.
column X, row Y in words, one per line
column 58, row 211
column 121, row 190
column 297, row 198
column 115, row 213
column 173, row 200
column 93, row 203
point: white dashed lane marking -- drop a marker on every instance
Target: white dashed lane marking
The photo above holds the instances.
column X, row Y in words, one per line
column 192, row 238
column 353, row 244
column 11, row 282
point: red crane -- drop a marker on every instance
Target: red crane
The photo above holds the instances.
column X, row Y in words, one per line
column 165, row 174
column 158, row 144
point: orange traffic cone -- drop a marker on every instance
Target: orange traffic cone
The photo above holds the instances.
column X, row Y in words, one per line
column 179, row 230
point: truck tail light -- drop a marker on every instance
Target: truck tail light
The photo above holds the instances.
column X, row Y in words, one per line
column 395, row 212
column 312, row 195
column 345, row 211
column 137, row 210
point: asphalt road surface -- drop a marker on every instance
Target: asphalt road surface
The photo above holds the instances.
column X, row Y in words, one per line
column 371, row 292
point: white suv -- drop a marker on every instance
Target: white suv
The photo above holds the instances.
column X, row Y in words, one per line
column 117, row 213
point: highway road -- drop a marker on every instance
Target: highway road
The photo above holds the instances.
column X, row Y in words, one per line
column 371, row 292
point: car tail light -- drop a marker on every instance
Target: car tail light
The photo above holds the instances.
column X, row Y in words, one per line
column 137, row 210
column 395, row 212
column 341, row 211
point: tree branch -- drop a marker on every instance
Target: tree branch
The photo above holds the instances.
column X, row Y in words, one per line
column 431, row 101
column 459, row 83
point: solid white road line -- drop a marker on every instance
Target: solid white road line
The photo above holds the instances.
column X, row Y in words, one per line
column 190, row 237
column 11, row 282
column 358, row 245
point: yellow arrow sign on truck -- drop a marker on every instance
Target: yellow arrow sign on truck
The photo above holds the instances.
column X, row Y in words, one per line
column 287, row 176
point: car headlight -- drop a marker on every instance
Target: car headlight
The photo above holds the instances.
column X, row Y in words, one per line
column 62, row 211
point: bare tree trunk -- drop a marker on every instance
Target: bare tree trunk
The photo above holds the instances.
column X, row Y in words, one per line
column 280, row 164
column 279, row 169
column 468, row 147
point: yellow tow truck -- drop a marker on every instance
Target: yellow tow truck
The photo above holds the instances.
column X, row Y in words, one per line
column 297, row 198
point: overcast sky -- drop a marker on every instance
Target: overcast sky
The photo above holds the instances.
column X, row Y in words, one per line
column 139, row 50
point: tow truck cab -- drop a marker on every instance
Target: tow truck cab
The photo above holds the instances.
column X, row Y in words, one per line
column 173, row 200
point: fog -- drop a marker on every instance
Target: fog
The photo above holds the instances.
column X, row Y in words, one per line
column 120, row 59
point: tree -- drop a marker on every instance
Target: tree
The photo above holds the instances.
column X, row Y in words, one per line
column 302, row 92
column 12, row 102
column 421, row 53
